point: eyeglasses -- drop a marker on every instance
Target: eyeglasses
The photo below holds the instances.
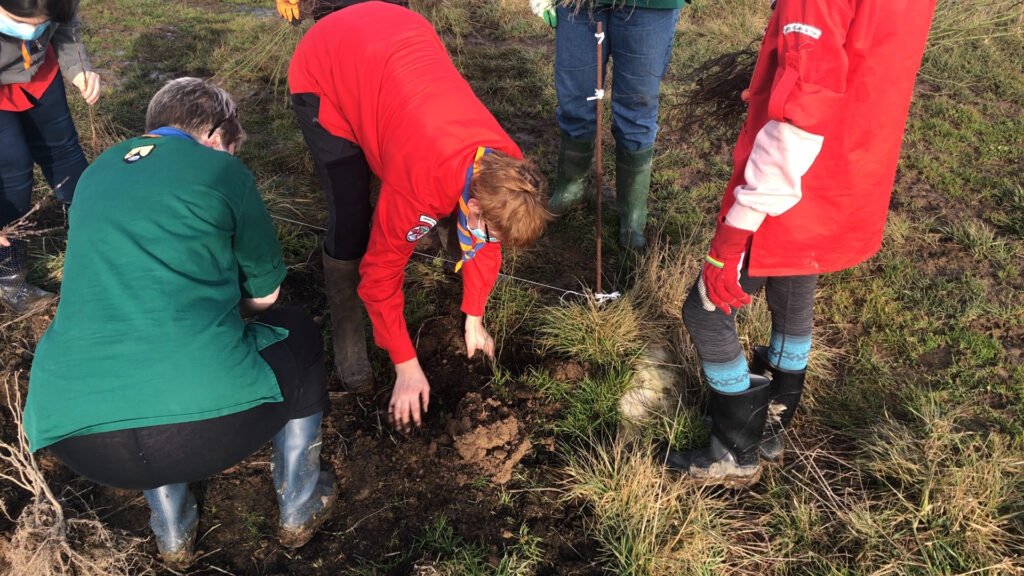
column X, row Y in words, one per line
column 219, row 123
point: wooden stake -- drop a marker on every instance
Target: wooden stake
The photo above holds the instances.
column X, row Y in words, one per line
column 597, row 148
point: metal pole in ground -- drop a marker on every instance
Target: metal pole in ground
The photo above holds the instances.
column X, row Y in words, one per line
column 598, row 96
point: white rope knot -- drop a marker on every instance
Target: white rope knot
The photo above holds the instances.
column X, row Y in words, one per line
column 600, row 37
column 598, row 95
column 602, row 298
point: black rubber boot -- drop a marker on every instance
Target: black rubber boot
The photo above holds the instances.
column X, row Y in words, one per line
column 351, row 364
column 737, row 423
column 787, row 386
column 575, row 160
column 15, row 292
column 632, row 187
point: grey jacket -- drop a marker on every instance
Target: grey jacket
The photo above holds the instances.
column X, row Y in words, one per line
column 66, row 41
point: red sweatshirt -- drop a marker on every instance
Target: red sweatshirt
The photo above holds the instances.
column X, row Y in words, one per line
column 842, row 72
column 385, row 82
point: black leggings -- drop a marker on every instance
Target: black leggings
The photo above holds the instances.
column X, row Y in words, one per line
column 790, row 299
column 345, row 176
column 153, row 456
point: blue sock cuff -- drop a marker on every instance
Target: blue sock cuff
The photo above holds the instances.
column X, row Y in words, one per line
column 729, row 377
column 790, row 352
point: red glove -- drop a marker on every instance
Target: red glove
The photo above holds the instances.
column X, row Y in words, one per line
column 719, row 283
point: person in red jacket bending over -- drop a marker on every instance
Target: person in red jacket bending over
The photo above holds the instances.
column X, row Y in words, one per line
column 374, row 90
column 814, row 170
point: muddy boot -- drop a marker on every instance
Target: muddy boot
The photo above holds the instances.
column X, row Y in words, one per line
column 174, row 520
column 737, row 422
column 575, row 159
column 15, row 292
column 787, row 386
column 632, row 186
column 351, row 364
column 305, row 493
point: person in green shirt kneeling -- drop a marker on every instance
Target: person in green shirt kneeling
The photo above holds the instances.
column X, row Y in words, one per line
column 149, row 377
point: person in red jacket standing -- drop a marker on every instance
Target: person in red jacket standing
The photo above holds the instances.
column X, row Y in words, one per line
column 814, row 169
column 374, row 90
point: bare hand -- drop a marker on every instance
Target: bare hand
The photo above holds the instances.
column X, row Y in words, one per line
column 89, row 84
column 745, row 96
column 477, row 337
column 4, row 242
column 411, row 394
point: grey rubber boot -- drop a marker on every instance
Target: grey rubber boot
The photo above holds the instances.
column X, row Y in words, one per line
column 575, row 160
column 305, row 493
column 632, row 187
column 737, row 423
column 787, row 386
column 351, row 364
column 174, row 519
column 15, row 292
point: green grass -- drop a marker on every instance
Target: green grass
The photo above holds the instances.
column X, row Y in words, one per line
column 907, row 452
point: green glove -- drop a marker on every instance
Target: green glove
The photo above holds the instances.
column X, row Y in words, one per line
column 545, row 10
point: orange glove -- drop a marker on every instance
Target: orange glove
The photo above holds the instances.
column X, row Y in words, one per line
column 289, row 10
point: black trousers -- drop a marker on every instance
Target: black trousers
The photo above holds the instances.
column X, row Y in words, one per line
column 790, row 300
column 345, row 176
column 322, row 8
column 153, row 456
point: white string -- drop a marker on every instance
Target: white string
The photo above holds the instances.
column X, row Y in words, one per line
column 600, row 298
column 598, row 95
column 600, row 37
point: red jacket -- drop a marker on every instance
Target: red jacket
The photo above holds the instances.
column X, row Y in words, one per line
column 843, row 70
column 386, row 82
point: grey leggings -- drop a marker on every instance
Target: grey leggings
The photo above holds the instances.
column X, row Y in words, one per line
column 790, row 299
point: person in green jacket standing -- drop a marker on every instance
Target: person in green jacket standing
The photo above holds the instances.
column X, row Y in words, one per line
column 638, row 39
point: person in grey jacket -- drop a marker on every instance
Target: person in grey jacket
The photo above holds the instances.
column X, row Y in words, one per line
column 40, row 44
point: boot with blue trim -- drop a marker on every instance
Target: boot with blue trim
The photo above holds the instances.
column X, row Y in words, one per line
column 174, row 519
column 787, row 387
column 15, row 291
column 305, row 493
column 737, row 423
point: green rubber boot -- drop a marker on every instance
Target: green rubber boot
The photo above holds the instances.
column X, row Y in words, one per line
column 575, row 160
column 632, row 186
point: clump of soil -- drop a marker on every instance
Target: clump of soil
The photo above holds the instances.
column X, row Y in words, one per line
column 488, row 435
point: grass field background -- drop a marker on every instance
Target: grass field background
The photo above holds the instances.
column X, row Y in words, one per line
column 908, row 455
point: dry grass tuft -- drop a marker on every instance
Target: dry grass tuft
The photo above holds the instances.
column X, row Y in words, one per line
column 592, row 332
column 44, row 541
column 954, row 494
column 650, row 523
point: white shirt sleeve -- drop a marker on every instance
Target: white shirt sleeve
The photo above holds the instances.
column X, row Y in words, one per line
column 782, row 154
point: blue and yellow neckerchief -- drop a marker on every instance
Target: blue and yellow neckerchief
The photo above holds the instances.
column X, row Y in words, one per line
column 467, row 241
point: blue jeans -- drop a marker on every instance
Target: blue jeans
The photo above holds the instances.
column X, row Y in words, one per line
column 639, row 42
column 44, row 135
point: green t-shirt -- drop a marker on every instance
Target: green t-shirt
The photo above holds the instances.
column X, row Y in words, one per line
column 166, row 236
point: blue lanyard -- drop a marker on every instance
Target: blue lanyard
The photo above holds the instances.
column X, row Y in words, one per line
column 170, row 132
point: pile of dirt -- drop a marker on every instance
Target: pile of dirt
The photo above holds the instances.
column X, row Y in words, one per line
column 488, row 436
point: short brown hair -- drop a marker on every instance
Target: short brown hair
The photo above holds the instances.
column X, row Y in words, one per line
column 198, row 107
column 513, row 198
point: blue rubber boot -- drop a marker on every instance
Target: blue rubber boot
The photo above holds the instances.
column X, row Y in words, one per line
column 15, row 292
column 174, row 520
column 305, row 493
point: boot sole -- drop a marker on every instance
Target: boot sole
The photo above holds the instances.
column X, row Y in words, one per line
column 729, row 481
column 299, row 537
